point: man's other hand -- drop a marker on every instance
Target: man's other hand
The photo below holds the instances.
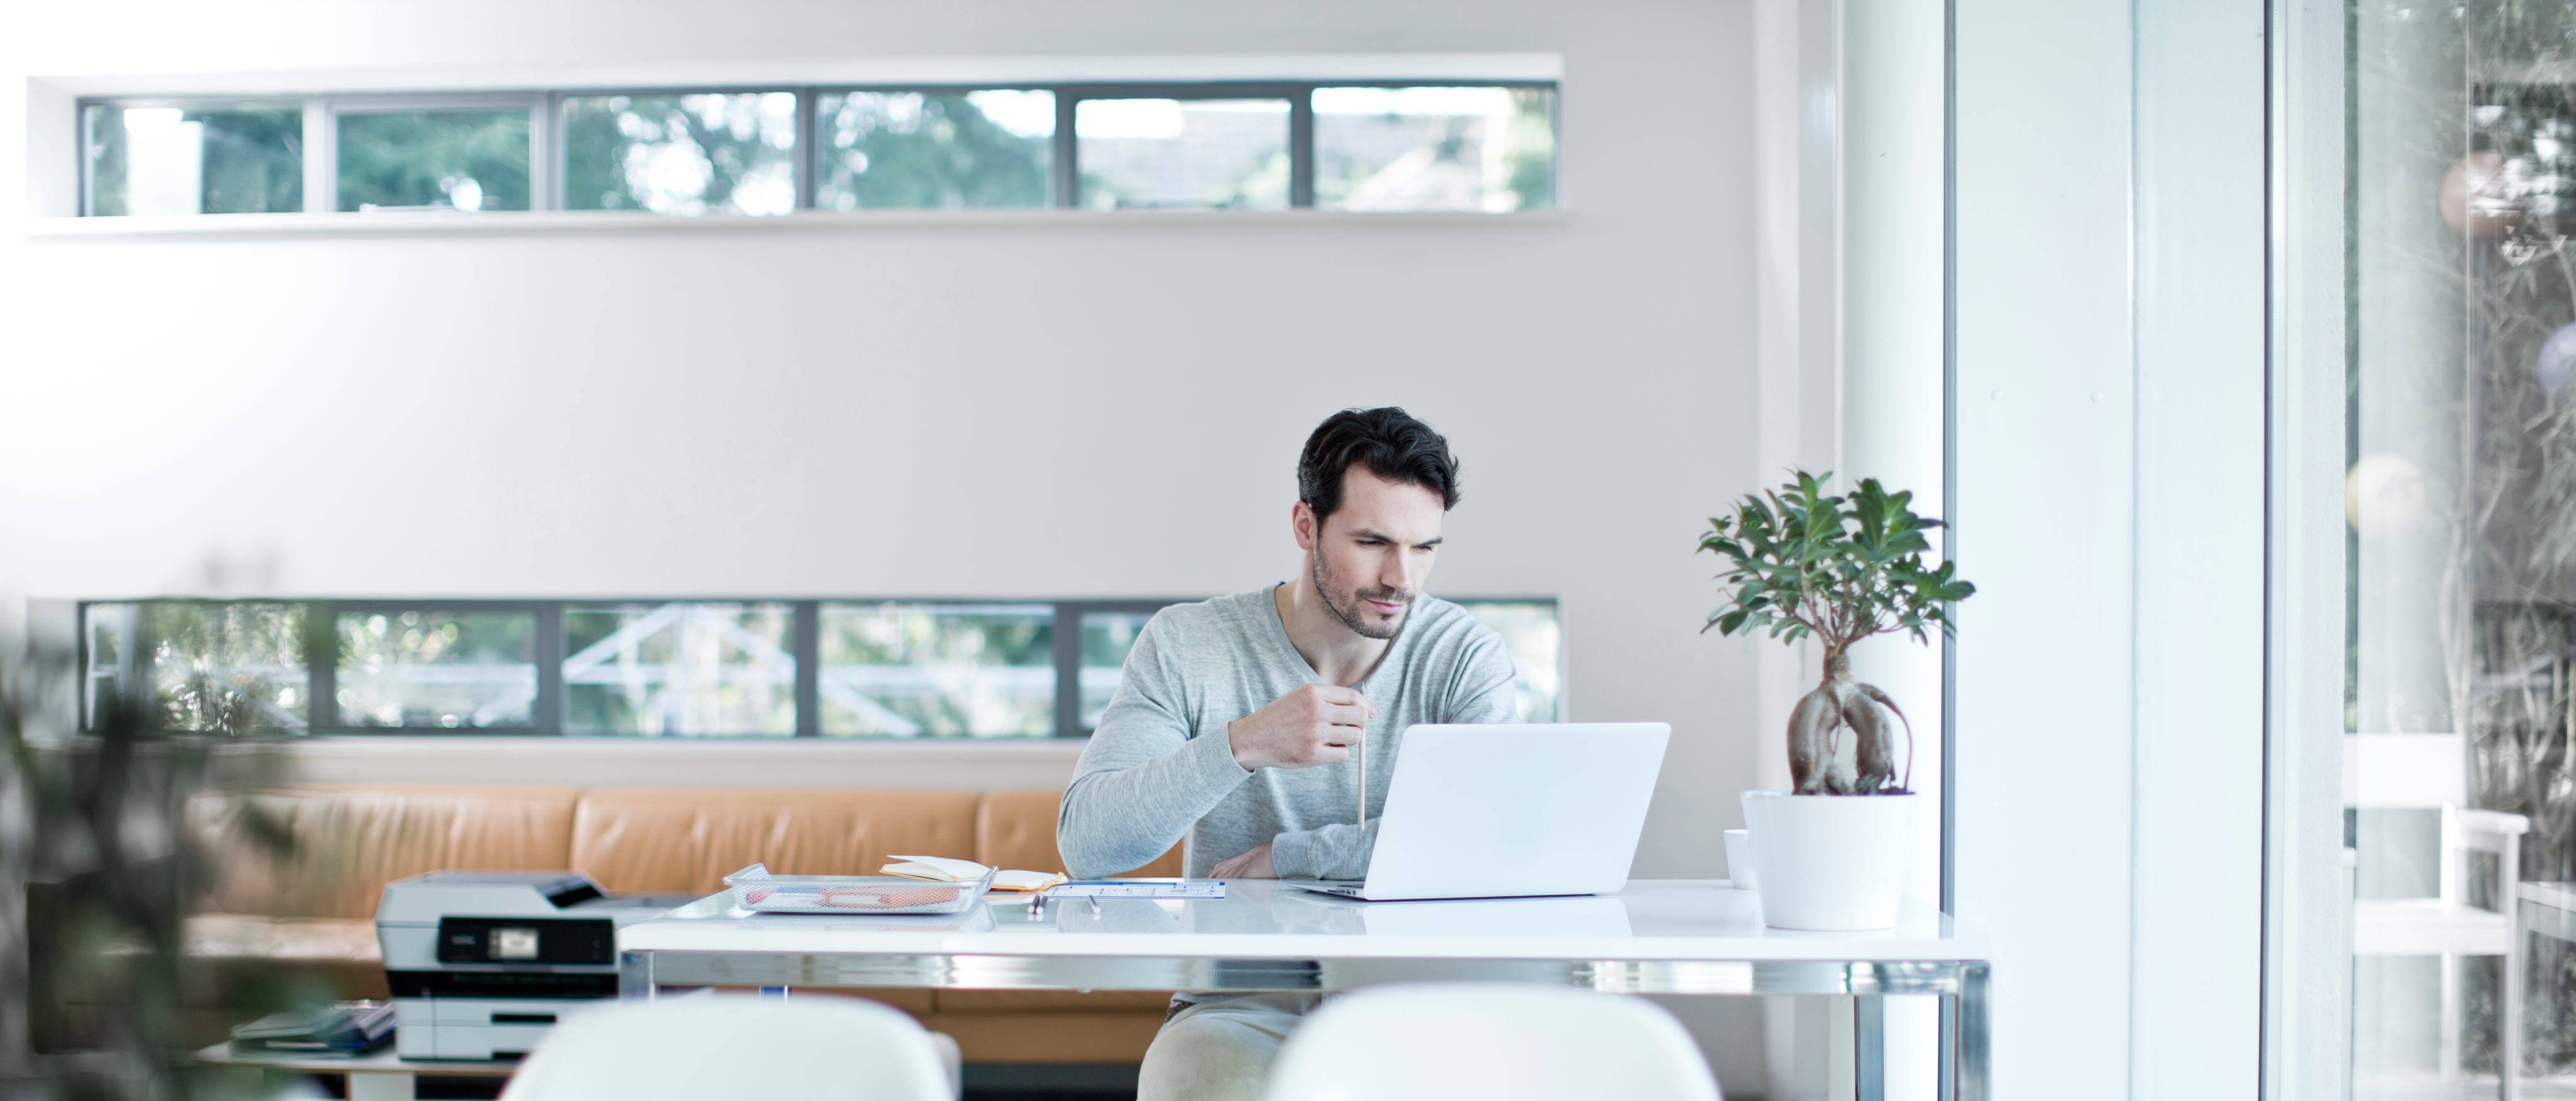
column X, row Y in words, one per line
column 1312, row 725
column 1251, row 865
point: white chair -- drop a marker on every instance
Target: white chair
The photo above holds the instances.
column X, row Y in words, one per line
column 2429, row 772
column 1490, row 1042
column 696, row 1048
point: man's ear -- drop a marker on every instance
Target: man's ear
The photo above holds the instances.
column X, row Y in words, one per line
column 1301, row 520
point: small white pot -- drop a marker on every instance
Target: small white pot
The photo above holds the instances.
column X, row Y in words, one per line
column 1832, row 862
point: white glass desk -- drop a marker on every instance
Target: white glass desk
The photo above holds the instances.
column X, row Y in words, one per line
column 1655, row 937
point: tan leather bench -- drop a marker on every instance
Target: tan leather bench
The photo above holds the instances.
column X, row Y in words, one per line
column 313, row 914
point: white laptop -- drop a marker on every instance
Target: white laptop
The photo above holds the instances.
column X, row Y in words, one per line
column 1510, row 810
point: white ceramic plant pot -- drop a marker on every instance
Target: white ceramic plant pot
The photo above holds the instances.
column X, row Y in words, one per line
column 1832, row 862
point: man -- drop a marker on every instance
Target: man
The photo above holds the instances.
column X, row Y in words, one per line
column 1237, row 719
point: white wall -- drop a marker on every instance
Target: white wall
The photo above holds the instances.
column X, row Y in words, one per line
column 1079, row 409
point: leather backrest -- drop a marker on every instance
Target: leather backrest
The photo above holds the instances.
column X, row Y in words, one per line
column 639, row 841
column 347, row 842
column 1016, row 829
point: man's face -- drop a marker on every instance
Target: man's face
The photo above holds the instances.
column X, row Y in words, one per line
column 1374, row 552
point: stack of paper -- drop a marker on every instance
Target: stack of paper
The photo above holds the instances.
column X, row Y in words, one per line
column 341, row 1028
column 948, row 869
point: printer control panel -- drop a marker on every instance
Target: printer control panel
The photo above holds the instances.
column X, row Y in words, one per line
column 560, row 941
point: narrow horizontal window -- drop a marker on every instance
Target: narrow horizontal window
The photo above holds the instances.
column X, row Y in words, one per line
column 1529, row 631
column 1183, row 153
column 679, row 669
column 940, row 671
column 437, row 670
column 772, row 668
column 1459, row 149
column 706, row 153
column 232, row 667
column 235, row 159
column 955, row 150
column 747, row 152
column 461, row 159
column 1106, row 639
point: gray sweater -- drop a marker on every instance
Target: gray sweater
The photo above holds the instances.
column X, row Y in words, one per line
column 1161, row 765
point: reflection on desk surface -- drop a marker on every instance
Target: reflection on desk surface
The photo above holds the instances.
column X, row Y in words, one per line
column 1646, row 909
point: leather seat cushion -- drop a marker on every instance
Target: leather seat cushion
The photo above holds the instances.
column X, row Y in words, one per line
column 642, row 841
column 1049, row 1037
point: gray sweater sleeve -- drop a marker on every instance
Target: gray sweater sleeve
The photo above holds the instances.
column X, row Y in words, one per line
column 1144, row 780
column 1480, row 692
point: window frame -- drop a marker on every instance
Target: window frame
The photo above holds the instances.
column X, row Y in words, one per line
column 322, row 627
column 547, row 150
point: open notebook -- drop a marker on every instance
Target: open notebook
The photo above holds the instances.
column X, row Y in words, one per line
column 949, row 869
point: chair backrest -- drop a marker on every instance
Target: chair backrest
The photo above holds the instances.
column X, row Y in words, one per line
column 2395, row 771
column 1489, row 1042
column 697, row 1048
column 347, row 842
column 2429, row 772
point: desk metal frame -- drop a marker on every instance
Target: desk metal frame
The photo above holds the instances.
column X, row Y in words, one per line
column 1962, row 984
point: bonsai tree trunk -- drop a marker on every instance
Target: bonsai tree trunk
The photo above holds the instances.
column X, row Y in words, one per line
column 1843, row 702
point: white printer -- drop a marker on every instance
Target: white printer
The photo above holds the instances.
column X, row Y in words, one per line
column 480, row 963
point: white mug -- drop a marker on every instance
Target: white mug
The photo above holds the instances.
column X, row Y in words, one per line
column 1739, row 861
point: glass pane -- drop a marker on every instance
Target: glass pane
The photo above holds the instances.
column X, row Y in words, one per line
column 1183, row 153
column 232, row 667
column 442, row 670
column 1488, row 149
column 177, row 160
column 1106, row 638
column 2461, row 509
column 698, row 154
column 1529, row 630
column 993, row 148
column 679, row 669
column 434, row 160
column 938, row 670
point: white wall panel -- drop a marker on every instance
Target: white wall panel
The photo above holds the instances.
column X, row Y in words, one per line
column 2044, row 511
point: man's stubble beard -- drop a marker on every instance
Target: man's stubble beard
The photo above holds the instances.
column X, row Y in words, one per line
column 1349, row 612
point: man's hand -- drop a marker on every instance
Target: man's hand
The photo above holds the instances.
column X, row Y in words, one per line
column 1313, row 725
column 1251, row 865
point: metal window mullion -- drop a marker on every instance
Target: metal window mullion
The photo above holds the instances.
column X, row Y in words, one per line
column 1067, row 634
column 809, row 668
column 321, row 159
column 549, row 652
column 558, row 155
column 85, row 132
column 542, row 181
column 322, row 666
column 809, row 132
column 1068, row 164
column 1301, row 149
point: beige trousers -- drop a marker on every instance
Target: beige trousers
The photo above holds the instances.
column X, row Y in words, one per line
column 1220, row 1049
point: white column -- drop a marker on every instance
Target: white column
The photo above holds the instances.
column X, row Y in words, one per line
column 1894, row 68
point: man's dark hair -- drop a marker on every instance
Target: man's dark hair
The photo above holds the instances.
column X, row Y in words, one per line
column 1389, row 442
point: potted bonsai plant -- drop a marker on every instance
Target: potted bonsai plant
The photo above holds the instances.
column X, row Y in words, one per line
column 1805, row 563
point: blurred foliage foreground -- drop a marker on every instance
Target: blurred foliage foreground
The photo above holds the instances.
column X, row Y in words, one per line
column 99, row 868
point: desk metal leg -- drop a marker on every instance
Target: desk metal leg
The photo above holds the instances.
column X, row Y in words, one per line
column 1869, row 1047
column 382, row 1086
column 1970, row 1060
column 634, row 977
